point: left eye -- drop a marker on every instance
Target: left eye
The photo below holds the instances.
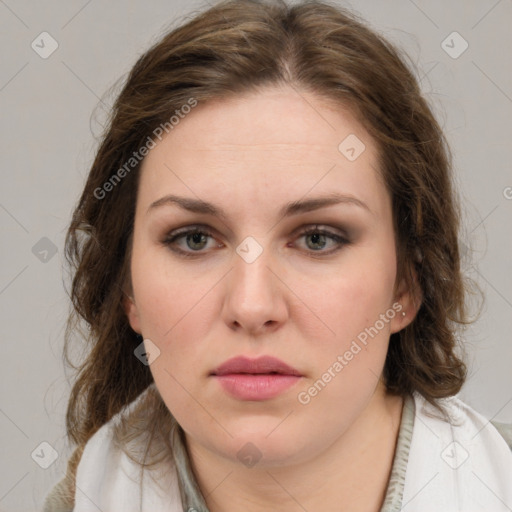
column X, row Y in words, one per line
column 319, row 238
column 196, row 239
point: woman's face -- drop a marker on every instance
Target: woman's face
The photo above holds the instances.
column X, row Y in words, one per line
column 251, row 175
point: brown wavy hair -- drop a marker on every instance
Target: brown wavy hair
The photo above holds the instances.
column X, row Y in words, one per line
column 233, row 48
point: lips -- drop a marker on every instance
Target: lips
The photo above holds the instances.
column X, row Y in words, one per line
column 255, row 379
column 261, row 365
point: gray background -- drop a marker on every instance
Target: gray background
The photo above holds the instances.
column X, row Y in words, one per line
column 48, row 140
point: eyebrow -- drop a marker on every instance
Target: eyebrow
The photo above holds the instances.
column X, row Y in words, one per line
column 289, row 209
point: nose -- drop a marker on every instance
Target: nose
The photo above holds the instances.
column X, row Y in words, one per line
column 255, row 301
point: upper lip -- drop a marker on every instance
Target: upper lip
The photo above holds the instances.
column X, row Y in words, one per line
column 261, row 365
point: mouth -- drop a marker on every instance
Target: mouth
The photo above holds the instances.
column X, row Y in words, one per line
column 264, row 365
column 255, row 379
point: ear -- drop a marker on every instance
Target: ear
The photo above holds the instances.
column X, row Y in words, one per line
column 408, row 300
column 132, row 312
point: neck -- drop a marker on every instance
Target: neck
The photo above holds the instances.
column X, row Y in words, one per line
column 351, row 475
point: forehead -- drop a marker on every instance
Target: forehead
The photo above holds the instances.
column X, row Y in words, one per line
column 272, row 116
column 279, row 140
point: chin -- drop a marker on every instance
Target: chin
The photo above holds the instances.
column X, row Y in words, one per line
column 256, row 448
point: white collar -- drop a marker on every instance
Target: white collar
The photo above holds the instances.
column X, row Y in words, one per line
column 457, row 462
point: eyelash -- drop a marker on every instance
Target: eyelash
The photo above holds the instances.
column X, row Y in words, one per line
column 172, row 237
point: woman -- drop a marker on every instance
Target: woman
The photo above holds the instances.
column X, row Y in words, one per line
column 266, row 259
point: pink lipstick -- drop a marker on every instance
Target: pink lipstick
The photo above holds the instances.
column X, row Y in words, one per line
column 255, row 379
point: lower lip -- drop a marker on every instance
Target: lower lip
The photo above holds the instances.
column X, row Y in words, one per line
column 256, row 386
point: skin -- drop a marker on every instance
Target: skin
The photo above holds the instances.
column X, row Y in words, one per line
column 298, row 301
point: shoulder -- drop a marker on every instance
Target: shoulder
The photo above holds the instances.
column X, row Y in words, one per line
column 111, row 460
column 505, row 429
column 99, row 455
column 61, row 498
column 461, row 449
column 461, row 416
column 115, row 473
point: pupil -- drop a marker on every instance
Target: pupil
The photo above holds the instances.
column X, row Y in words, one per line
column 316, row 238
column 197, row 238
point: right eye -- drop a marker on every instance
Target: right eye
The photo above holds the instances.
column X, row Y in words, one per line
column 189, row 241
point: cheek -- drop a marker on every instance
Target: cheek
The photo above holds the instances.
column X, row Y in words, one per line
column 176, row 312
column 352, row 297
column 167, row 297
column 176, row 315
column 352, row 357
